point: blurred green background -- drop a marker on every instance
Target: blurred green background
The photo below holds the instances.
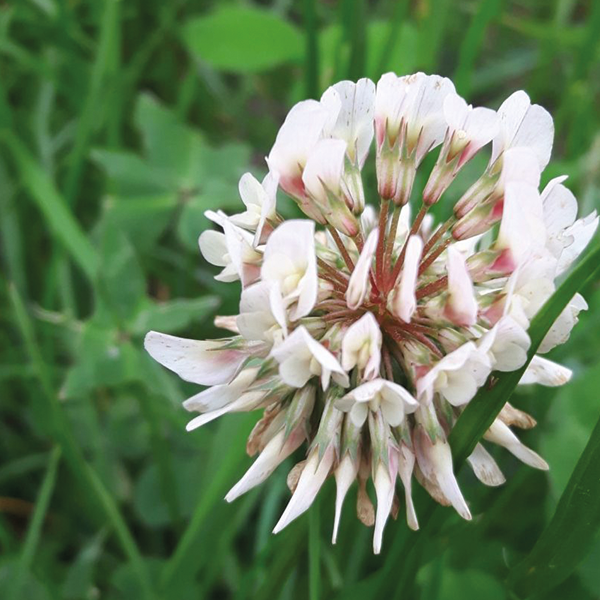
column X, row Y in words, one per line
column 121, row 122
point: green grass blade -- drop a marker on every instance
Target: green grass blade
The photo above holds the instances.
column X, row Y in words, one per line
column 484, row 408
column 34, row 530
column 88, row 478
column 314, row 551
column 184, row 556
column 312, row 49
column 469, row 49
column 393, row 35
column 104, row 63
column 354, row 21
column 61, row 221
column 571, row 532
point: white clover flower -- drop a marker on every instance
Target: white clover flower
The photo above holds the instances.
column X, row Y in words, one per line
column 364, row 330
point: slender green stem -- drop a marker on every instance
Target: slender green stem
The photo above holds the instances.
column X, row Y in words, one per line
column 89, row 480
column 35, row 527
column 393, row 35
column 314, row 551
column 88, row 121
column 312, row 48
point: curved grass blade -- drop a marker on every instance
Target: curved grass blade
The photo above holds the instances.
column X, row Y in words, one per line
column 571, row 532
column 484, row 408
column 60, row 219
column 34, row 531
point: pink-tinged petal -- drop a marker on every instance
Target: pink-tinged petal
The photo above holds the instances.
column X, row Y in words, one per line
column 390, row 101
column 313, row 476
column 354, row 123
column 359, row 280
column 345, row 475
column 499, row 433
column 201, row 362
column 324, row 169
column 485, row 467
column 274, row 453
column 404, row 302
column 522, row 228
column 462, row 307
column 299, row 133
column 470, row 128
column 545, row 372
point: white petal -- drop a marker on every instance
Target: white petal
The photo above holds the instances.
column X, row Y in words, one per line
column 524, row 124
column 522, row 229
column 582, row 231
column 202, row 362
column 384, row 488
column 545, row 372
column 404, row 302
column 267, row 211
column 500, row 434
column 485, row 467
column 213, row 247
column 361, row 345
column 313, row 476
column 359, row 280
column 406, row 463
column 359, row 413
column 435, row 461
column 425, row 115
column 290, row 253
column 560, row 206
column 217, row 396
column 462, row 304
column 324, row 168
column 274, row 453
column 520, row 165
column 389, row 105
column 354, row 124
column 245, row 403
column 561, row 328
column 345, row 474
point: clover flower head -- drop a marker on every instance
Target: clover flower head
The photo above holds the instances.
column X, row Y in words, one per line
column 363, row 333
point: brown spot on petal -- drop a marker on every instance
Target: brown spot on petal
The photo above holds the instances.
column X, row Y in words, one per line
column 294, row 475
column 255, row 439
column 395, row 507
column 365, row 511
column 510, row 415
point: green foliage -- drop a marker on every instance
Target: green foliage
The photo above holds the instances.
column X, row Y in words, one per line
column 121, row 123
column 243, row 40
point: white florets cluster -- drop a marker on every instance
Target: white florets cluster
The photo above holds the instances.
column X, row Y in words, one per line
column 364, row 334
